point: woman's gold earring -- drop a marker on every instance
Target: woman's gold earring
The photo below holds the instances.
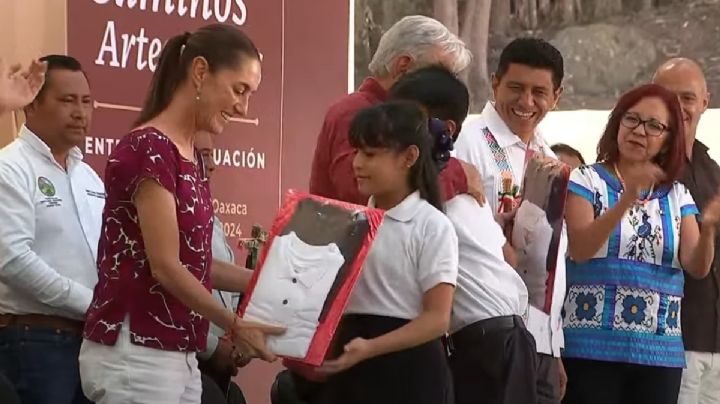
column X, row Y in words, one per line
column 197, row 96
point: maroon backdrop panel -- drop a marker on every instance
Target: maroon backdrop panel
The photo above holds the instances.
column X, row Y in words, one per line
column 305, row 65
column 304, row 46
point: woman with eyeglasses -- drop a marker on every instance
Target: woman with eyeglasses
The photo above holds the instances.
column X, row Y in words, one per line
column 632, row 230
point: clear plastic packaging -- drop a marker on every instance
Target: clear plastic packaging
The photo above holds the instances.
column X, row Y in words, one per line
column 538, row 226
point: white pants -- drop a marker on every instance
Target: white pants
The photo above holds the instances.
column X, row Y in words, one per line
column 131, row 374
column 701, row 379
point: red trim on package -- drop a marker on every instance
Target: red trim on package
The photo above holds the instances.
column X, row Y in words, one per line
column 325, row 331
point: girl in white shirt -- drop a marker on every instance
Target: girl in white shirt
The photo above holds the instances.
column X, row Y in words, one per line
column 400, row 307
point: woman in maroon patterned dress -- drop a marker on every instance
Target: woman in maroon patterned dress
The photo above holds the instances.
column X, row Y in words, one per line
column 152, row 303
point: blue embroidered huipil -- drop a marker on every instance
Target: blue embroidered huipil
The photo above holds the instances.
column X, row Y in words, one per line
column 623, row 305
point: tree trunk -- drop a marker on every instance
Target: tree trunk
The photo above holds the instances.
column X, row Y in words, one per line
column 500, row 16
column 468, row 21
column 646, row 5
column 605, row 8
column 388, row 14
column 445, row 11
column 578, row 10
column 565, row 11
column 478, row 80
column 468, row 25
column 532, row 14
column 601, row 9
column 523, row 13
column 617, row 7
column 544, row 10
column 367, row 36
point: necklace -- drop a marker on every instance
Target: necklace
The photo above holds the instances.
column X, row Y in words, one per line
column 642, row 201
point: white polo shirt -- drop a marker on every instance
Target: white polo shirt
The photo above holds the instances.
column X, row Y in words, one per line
column 291, row 290
column 49, row 230
column 487, row 286
column 472, row 147
column 415, row 249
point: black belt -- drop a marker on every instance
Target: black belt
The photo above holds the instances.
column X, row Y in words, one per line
column 469, row 334
column 43, row 321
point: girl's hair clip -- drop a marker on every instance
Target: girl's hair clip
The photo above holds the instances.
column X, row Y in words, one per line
column 442, row 141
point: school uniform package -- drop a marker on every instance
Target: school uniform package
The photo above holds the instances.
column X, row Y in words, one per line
column 306, row 272
column 538, row 227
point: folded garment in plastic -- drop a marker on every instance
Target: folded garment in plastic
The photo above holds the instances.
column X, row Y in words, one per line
column 306, row 272
column 538, row 227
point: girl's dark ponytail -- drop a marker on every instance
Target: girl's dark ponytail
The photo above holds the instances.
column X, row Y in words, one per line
column 424, row 177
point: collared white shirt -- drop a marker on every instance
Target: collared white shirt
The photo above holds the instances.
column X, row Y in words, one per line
column 291, row 290
column 472, row 147
column 415, row 249
column 221, row 251
column 49, row 230
column 487, row 286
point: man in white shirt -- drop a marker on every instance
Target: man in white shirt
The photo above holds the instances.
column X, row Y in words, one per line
column 492, row 353
column 52, row 206
column 527, row 84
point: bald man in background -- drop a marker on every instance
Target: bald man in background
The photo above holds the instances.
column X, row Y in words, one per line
column 700, row 317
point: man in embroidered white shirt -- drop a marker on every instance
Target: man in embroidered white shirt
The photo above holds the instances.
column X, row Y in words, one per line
column 526, row 85
column 51, row 205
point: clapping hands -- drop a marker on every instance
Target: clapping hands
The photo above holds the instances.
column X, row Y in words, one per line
column 642, row 177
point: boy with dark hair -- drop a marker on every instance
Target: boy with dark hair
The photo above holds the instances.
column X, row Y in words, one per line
column 492, row 353
column 439, row 91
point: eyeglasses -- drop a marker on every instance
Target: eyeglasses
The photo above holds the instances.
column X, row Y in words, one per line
column 652, row 126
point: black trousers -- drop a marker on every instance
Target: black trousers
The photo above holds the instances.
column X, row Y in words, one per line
column 219, row 388
column 8, row 395
column 494, row 362
column 591, row 382
column 417, row 375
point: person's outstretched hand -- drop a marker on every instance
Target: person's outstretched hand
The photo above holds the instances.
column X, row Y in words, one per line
column 253, row 335
column 18, row 87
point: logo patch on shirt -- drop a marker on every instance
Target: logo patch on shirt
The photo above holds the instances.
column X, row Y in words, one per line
column 46, row 187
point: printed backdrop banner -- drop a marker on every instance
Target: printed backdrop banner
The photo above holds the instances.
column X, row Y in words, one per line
column 304, row 69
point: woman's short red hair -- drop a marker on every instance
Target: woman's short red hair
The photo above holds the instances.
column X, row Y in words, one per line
column 672, row 156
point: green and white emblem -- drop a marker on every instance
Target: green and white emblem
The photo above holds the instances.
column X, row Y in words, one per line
column 46, row 187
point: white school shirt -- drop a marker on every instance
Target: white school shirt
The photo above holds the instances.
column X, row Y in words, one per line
column 414, row 250
column 291, row 290
column 487, row 286
column 472, row 147
column 49, row 230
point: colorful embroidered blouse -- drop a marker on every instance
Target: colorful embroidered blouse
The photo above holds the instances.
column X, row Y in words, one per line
column 623, row 305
